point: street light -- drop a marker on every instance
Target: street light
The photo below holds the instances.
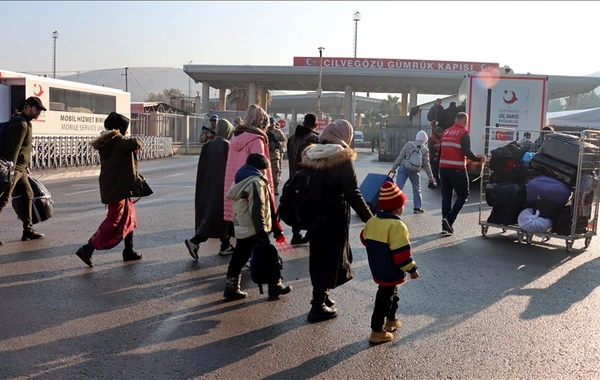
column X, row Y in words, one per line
column 319, row 91
column 55, row 36
column 356, row 19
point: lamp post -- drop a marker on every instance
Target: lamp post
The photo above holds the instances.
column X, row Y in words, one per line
column 54, row 36
column 319, row 91
column 356, row 18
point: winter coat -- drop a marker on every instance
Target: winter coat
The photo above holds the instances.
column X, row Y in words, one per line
column 118, row 165
column 210, row 179
column 302, row 138
column 245, row 140
column 330, row 254
column 449, row 116
column 436, row 113
column 408, row 147
column 277, row 141
column 250, row 196
column 18, row 142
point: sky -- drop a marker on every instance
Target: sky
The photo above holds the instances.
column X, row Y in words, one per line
column 541, row 37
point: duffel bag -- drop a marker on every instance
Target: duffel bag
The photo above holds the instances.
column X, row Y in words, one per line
column 42, row 207
column 549, row 189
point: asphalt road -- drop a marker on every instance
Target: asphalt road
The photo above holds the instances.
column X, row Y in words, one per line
column 484, row 307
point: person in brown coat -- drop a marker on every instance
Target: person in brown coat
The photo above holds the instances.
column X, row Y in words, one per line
column 118, row 179
column 330, row 255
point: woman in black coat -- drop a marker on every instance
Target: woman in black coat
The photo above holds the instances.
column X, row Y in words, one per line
column 330, row 254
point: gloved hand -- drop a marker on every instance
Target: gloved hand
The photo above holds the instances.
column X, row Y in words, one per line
column 282, row 244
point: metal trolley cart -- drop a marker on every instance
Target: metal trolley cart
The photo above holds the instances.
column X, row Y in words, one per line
column 586, row 187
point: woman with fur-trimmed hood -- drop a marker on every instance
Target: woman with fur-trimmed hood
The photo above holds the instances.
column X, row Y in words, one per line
column 118, row 177
column 330, row 254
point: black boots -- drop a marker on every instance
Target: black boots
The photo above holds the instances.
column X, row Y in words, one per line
column 232, row 289
column 319, row 310
column 277, row 289
column 31, row 235
column 129, row 254
column 85, row 254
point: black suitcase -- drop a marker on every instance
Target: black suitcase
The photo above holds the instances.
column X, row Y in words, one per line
column 369, row 188
column 505, row 194
column 565, row 148
column 554, row 168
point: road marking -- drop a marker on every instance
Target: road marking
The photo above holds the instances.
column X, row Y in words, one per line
column 173, row 175
column 81, row 192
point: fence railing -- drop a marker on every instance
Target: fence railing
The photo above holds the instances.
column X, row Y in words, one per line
column 68, row 151
column 394, row 137
column 169, row 125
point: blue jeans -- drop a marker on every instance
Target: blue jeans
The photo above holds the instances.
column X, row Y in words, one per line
column 402, row 175
column 457, row 180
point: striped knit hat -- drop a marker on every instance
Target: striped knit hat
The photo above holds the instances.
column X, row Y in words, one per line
column 391, row 197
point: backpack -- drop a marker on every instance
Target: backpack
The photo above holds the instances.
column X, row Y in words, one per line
column 507, row 158
column 265, row 265
column 3, row 130
column 412, row 161
column 297, row 203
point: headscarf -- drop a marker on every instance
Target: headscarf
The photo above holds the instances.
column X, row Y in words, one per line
column 224, row 129
column 338, row 132
column 422, row 137
column 116, row 121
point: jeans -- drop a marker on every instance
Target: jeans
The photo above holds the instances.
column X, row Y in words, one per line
column 415, row 179
column 21, row 179
column 457, row 180
column 386, row 304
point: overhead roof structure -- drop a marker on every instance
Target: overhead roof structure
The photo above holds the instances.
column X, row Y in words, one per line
column 306, row 78
column 331, row 103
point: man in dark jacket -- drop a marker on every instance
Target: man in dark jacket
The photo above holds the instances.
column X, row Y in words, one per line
column 449, row 115
column 436, row 114
column 17, row 148
column 305, row 135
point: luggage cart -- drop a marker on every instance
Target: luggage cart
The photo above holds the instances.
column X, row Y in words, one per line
column 584, row 199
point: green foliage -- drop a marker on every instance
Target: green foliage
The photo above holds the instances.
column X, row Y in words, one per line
column 372, row 122
column 165, row 96
column 390, row 106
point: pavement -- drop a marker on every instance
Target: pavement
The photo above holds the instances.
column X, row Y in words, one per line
column 484, row 307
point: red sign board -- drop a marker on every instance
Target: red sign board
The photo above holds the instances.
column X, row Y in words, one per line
column 281, row 123
column 321, row 124
column 396, row 64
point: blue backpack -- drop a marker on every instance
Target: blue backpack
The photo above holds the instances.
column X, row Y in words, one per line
column 3, row 130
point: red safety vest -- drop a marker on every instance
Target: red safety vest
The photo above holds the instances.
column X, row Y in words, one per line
column 452, row 153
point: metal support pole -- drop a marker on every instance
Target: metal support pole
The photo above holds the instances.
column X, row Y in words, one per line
column 320, row 77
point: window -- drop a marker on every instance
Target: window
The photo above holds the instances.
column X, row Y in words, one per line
column 82, row 102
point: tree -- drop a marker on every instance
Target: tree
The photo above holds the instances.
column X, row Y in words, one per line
column 165, row 96
column 390, row 106
column 239, row 97
column 372, row 121
column 589, row 100
column 555, row 105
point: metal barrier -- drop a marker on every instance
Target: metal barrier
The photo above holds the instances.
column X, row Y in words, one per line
column 395, row 138
column 68, row 151
column 169, row 125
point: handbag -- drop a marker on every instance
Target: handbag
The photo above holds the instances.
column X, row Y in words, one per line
column 141, row 187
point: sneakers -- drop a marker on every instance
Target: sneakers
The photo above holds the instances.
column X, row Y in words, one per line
column 380, row 336
column 299, row 239
column 418, row 210
column 447, row 229
column 192, row 248
column 392, row 324
column 227, row 251
column 432, row 186
column 31, row 235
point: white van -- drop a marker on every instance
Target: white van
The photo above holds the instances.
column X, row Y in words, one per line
column 358, row 137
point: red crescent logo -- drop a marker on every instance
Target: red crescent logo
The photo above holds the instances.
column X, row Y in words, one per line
column 512, row 99
column 38, row 94
column 310, row 62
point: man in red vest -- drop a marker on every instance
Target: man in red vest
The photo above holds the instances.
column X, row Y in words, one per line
column 455, row 148
column 433, row 145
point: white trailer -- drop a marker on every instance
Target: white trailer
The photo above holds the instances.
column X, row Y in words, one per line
column 74, row 109
column 518, row 102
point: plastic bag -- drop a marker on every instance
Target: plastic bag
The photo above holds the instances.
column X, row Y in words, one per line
column 532, row 222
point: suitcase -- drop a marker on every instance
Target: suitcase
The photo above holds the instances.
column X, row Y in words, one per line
column 553, row 168
column 505, row 215
column 565, row 148
column 369, row 188
column 505, row 194
column 562, row 223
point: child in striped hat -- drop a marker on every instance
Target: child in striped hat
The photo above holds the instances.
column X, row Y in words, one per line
column 390, row 258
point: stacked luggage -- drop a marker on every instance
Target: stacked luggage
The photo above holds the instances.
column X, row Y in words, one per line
column 546, row 202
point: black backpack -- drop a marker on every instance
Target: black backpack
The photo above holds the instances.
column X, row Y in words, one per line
column 297, row 203
column 265, row 265
column 507, row 158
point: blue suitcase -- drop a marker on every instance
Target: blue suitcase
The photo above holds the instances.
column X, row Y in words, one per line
column 369, row 188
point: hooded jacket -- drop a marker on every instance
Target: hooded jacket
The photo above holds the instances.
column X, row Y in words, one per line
column 302, row 138
column 245, row 140
column 118, row 165
column 408, row 147
column 251, row 202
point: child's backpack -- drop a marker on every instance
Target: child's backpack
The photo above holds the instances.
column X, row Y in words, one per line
column 297, row 207
column 412, row 161
column 3, row 126
column 265, row 265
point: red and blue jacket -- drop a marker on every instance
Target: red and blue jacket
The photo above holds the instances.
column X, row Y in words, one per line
column 388, row 249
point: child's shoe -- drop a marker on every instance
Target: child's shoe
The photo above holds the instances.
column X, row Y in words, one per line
column 392, row 324
column 381, row 336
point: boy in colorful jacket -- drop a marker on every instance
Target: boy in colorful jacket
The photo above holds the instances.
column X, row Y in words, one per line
column 390, row 259
column 253, row 220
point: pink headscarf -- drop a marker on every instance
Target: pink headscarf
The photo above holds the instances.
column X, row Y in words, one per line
column 338, row 132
